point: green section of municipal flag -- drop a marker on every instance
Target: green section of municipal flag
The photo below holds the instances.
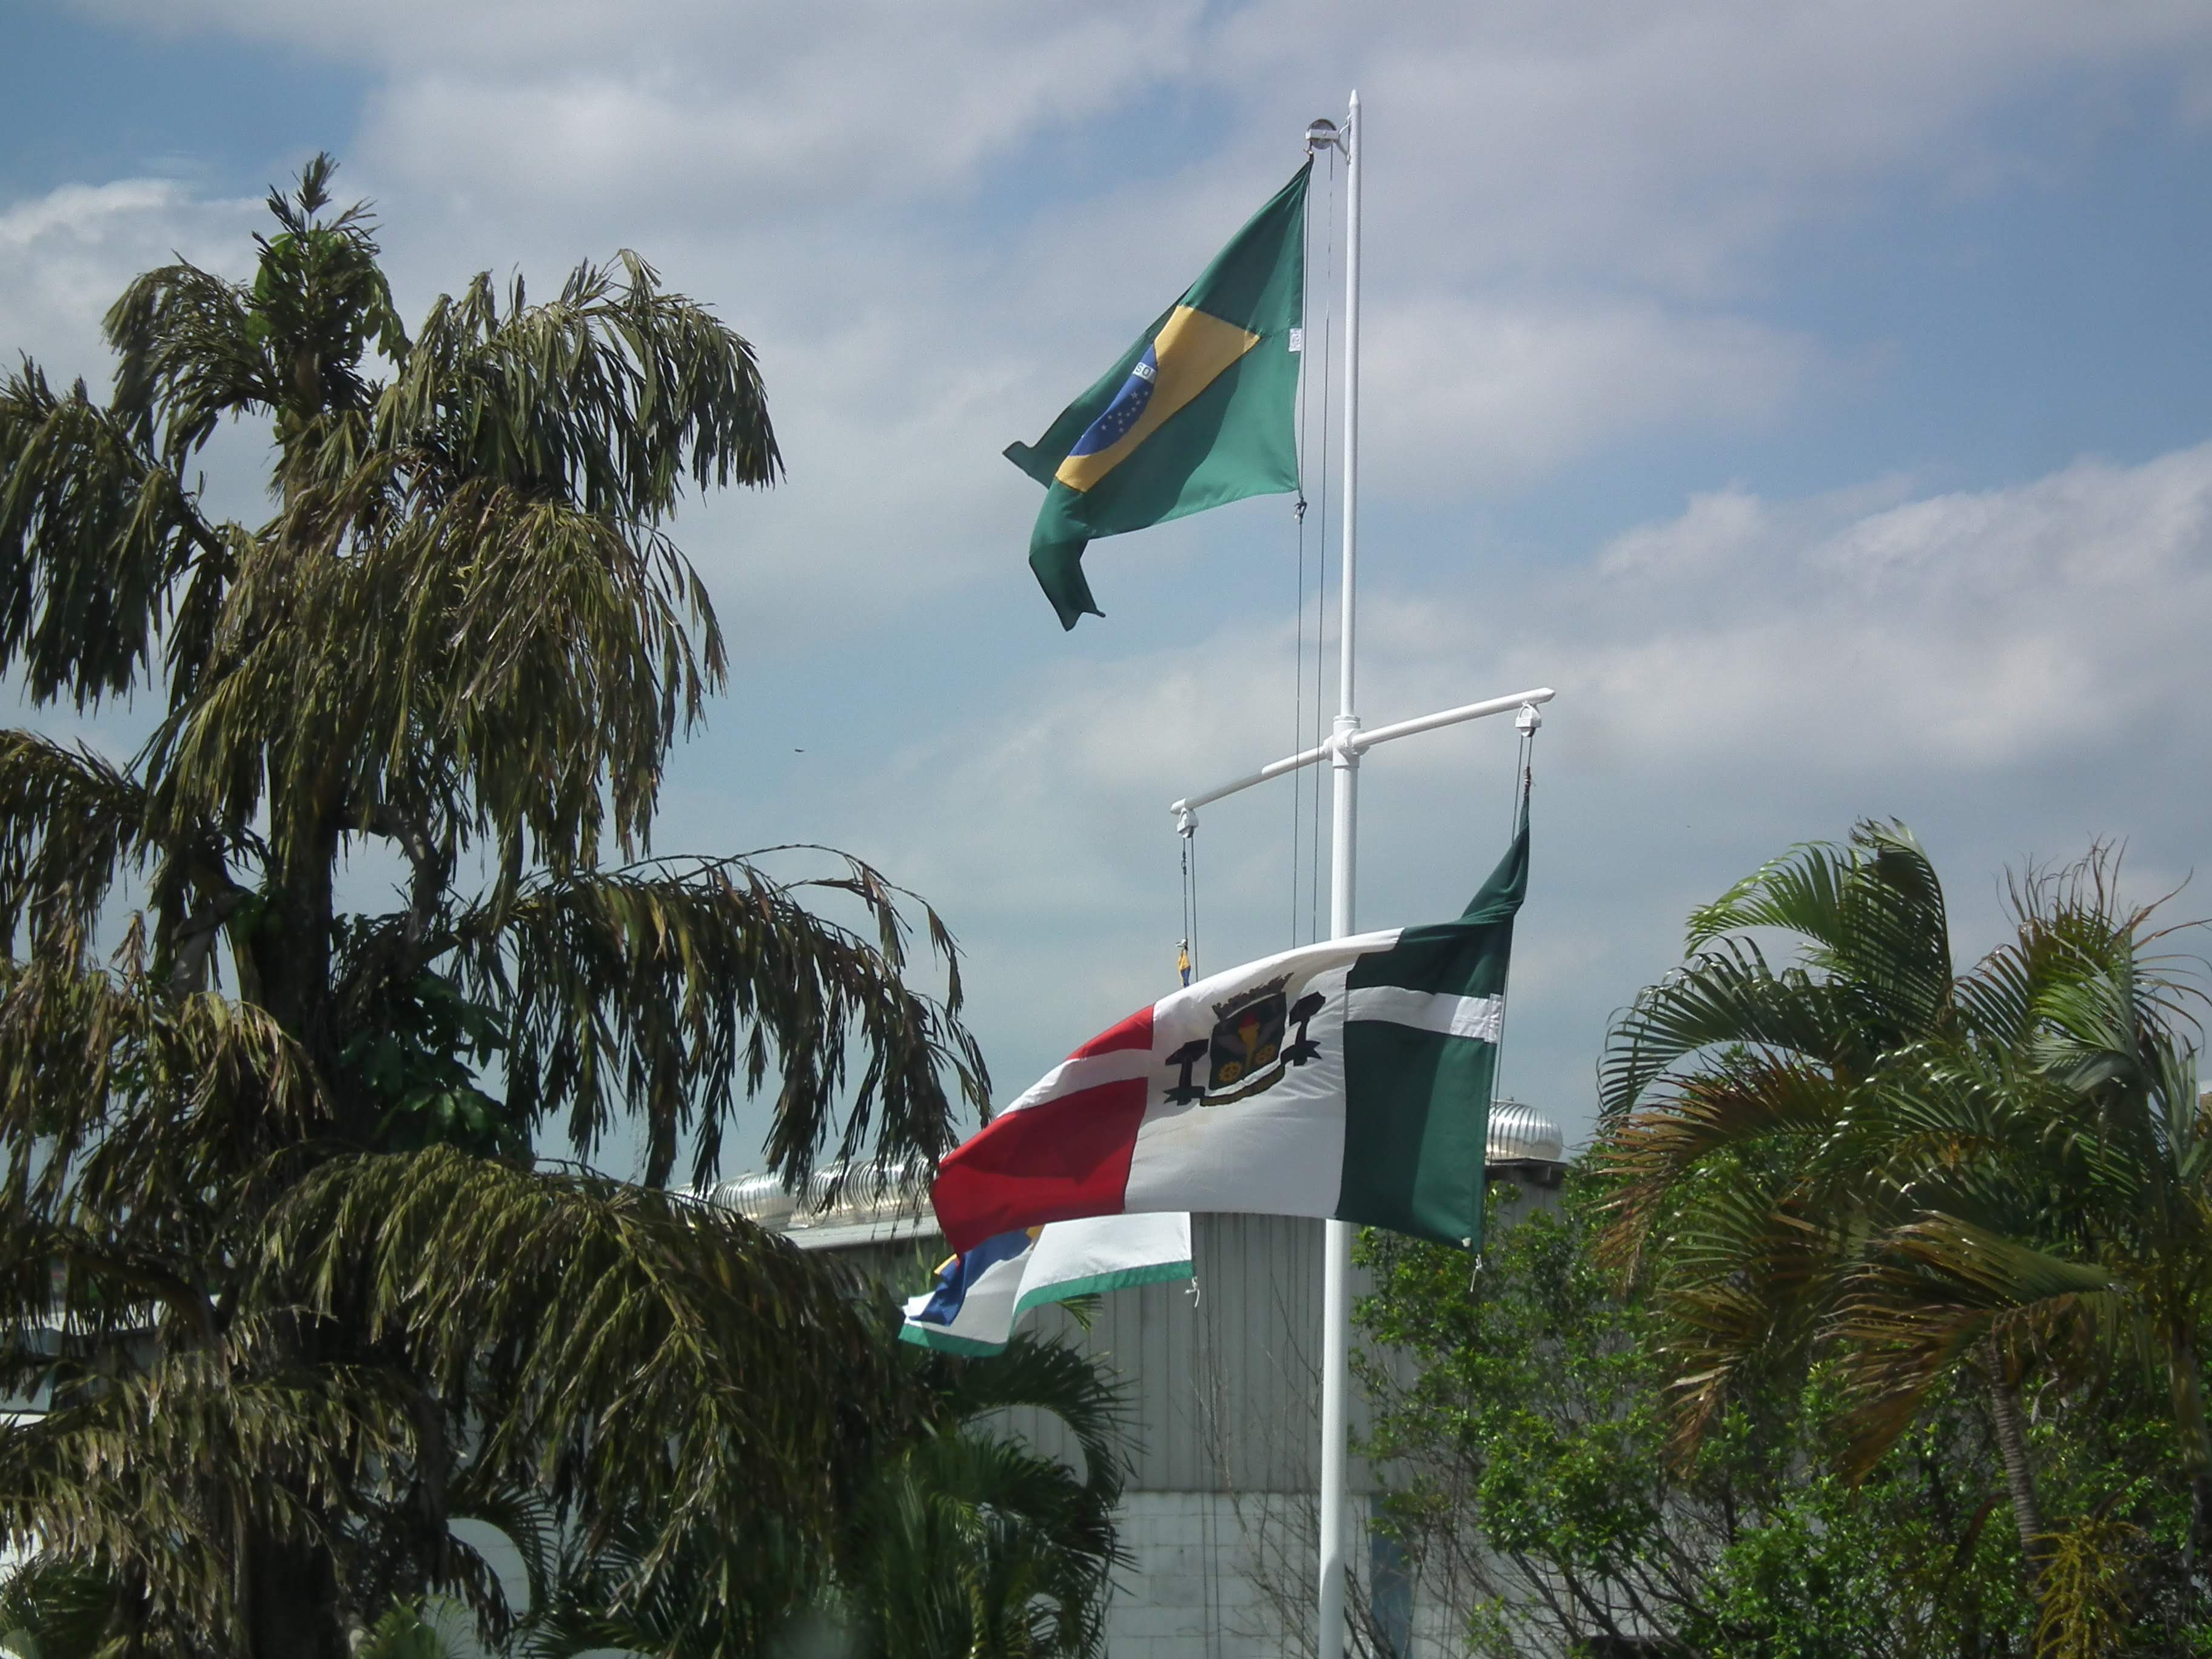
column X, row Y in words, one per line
column 1416, row 1100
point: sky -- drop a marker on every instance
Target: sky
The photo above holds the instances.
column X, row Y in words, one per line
column 1819, row 397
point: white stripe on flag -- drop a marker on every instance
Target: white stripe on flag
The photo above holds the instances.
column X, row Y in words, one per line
column 1480, row 1018
column 1067, row 1259
column 1116, row 1066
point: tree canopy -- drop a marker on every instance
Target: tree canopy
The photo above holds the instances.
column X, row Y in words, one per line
column 1993, row 1179
column 1537, row 1488
column 278, row 1260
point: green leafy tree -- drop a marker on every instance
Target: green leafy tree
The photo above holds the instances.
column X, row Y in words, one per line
column 964, row 1544
column 1532, row 1473
column 276, row 1257
column 2087, row 1243
column 972, row 1543
column 1741, row 1103
column 1994, row 1176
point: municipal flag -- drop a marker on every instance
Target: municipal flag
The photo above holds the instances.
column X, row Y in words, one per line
column 1197, row 413
column 978, row 1296
column 1351, row 1079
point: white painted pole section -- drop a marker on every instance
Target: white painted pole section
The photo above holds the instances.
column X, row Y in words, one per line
column 1362, row 742
column 1347, row 594
column 1273, row 770
column 1343, row 893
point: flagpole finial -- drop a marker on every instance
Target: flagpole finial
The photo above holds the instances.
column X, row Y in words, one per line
column 1324, row 135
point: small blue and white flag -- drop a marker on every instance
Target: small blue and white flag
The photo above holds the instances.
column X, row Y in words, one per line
column 979, row 1296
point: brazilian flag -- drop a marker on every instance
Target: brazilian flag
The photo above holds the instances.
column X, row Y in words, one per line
column 1197, row 413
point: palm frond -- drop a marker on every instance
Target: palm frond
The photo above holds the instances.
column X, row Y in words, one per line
column 94, row 529
column 687, row 1341
column 710, row 1597
column 71, row 823
column 605, row 395
column 1041, row 1376
column 158, row 1480
column 53, row 1608
column 404, row 1633
column 190, row 356
column 1934, row 1288
column 1747, row 1263
column 676, row 988
column 1724, row 998
column 1872, row 915
column 1743, row 1101
column 134, row 1130
column 515, row 665
column 976, row 1544
column 549, row 657
column 531, row 1523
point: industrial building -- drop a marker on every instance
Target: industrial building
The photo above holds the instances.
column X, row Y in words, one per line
column 1223, row 1378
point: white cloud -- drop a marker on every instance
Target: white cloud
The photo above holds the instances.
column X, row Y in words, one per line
column 1714, row 529
column 936, row 224
column 1972, row 630
column 1750, row 673
column 66, row 255
column 1669, row 143
column 82, row 212
column 868, row 104
column 713, row 108
column 1461, row 395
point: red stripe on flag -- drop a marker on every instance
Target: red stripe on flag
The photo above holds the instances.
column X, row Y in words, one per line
column 1134, row 1032
column 1055, row 1161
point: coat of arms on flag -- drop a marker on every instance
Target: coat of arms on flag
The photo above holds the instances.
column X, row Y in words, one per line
column 1349, row 1078
column 1246, row 1053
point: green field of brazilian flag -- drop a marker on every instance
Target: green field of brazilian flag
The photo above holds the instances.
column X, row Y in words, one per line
column 1199, row 411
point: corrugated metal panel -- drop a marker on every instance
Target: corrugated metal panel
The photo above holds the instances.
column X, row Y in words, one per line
column 1521, row 1134
column 1225, row 1386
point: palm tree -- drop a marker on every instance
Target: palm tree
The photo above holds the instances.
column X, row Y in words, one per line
column 2004, row 1171
column 971, row 1542
column 1744, row 1117
column 1723, row 1085
column 276, row 1259
column 2088, row 1240
column 966, row 1544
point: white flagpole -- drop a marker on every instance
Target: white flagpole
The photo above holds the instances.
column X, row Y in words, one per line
column 1336, row 1260
column 1346, row 744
